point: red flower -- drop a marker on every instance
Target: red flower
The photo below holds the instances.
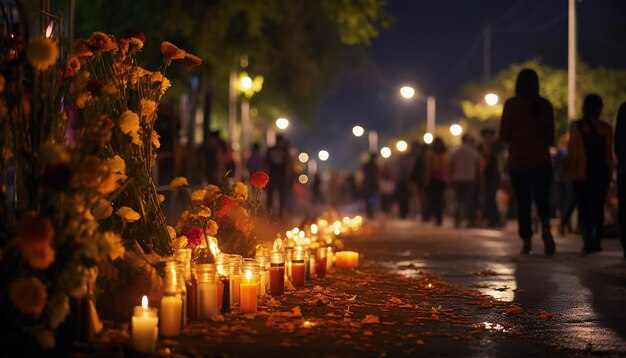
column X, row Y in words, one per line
column 34, row 230
column 194, row 236
column 94, row 86
column 259, row 179
column 228, row 202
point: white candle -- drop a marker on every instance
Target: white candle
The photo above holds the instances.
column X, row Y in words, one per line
column 171, row 315
column 144, row 327
column 207, row 300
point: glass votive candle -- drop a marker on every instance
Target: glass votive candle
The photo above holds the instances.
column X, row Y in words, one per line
column 298, row 269
column 277, row 274
column 320, row 262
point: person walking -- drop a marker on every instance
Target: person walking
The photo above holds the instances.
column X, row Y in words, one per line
column 527, row 126
column 566, row 199
column 620, row 153
column 465, row 177
column 370, row 185
column 490, row 153
column 437, row 172
column 596, row 137
column 277, row 162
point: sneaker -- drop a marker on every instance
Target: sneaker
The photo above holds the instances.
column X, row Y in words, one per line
column 548, row 242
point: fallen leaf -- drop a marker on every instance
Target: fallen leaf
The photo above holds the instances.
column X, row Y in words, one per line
column 288, row 285
column 296, row 311
column 514, row 310
column 368, row 334
column 370, row 319
column 352, row 299
column 419, row 341
column 317, row 289
column 396, row 300
column 273, row 302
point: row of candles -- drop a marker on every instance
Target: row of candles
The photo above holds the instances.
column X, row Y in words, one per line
column 218, row 281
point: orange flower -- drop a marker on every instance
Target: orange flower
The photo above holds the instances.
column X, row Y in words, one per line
column 259, row 179
column 34, row 230
column 39, row 257
column 192, row 60
column 29, row 295
column 81, row 49
column 171, row 52
column 72, row 66
column 101, row 42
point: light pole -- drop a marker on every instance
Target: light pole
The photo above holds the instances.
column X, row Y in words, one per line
column 372, row 137
column 408, row 92
column 248, row 87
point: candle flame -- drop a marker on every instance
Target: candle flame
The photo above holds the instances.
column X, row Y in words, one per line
column 49, row 29
column 296, row 230
column 314, row 229
column 278, row 245
column 144, row 302
column 213, row 246
column 301, row 234
column 248, row 275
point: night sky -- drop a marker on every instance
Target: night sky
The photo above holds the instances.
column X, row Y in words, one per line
column 437, row 47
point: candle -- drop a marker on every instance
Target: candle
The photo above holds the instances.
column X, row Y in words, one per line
column 320, row 262
column 277, row 274
column 288, row 258
column 207, row 292
column 171, row 312
column 223, row 284
column 234, row 266
column 247, row 296
column 312, row 265
column 330, row 258
column 144, row 327
column 297, row 268
column 262, row 259
column 347, row 259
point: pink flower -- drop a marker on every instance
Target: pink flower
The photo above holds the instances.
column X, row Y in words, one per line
column 194, row 236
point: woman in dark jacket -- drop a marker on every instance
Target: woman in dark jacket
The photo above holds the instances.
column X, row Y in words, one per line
column 596, row 137
column 527, row 126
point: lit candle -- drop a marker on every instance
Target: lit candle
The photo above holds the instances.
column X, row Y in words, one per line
column 277, row 274
column 171, row 315
column 207, row 291
column 330, row 258
column 320, row 262
column 145, row 327
column 346, row 259
column 298, row 269
column 247, row 298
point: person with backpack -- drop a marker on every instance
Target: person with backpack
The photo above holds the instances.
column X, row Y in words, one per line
column 595, row 137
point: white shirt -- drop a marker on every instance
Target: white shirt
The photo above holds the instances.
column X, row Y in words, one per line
column 464, row 163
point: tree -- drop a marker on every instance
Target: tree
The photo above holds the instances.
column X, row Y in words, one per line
column 608, row 83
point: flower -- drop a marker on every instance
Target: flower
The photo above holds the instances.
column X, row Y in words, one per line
column 109, row 90
column 213, row 228
column 80, row 48
column 165, row 83
column 180, row 242
column 192, row 60
column 110, row 183
column 171, row 52
column 102, row 210
column 53, row 153
column 155, row 139
column 171, row 231
column 72, row 66
column 198, row 195
column 34, row 230
column 82, row 99
column 228, row 203
column 212, row 192
column 127, row 214
column 116, row 247
column 178, row 182
column 259, row 179
column 204, row 212
column 42, row 53
column 29, row 295
column 117, row 165
column 161, row 198
column 39, row 257
column 194, row 236
column 129, row 124
column 148, row 107
column 45, row 339
column 101, row 42
column 241, row 191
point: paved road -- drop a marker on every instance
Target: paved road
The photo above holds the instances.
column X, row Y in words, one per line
column 587, row 294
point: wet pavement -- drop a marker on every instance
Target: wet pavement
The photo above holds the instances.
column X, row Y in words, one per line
column 580, row 300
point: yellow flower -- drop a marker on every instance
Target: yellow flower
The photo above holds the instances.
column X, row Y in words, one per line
column 198, row 195
column 109, row 90
column 161, row 198
column 204, row 212
column 155, row 139
column 102, row 210
column 213, row 228
column 137, row 43
column 116, row 247
column 129, row 124
column 2, row 83
column 42, row 53
column 117, row 165
column 147, row 108
column 38, row 257
column 212, row 191
column 53, row 153
column 110, row 183
column 180, row 242
column 164, row 82
column 82, row 99
column 99, row 41
column 178, row 182
column 29, row 295
column 127, row 214
column 171, row 231
column 241, row 191
column 81, row 81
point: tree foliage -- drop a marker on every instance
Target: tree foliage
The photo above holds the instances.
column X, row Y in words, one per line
column 610, row 84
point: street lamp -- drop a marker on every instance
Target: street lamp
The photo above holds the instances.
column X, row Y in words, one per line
column 456, row 130
column 491, row 99
column 303, row 157
column 358, row 131
column 372, row 137
column 402, row 146
column 323, row 155
column 282, row 123
column 385, row 152
column 407, row 92
column 428, row 138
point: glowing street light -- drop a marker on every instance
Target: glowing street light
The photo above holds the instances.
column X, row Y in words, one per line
column 358, row 131
column 323, row 155
column 245, row 82
column 385, row 152
column 407, row 92
column 428, row 138
column 491, row 99
column 303, row 157
column 282, row 123
column 303, row 179
column 402, row 146
column 456, row 130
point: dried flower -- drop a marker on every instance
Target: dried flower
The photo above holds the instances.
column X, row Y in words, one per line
column 129, row 124
column 171, row 52
column 29, row 295
column 213, row 227
column 194, row 236
column 101, row 42
column 192, row 60
column 109, row 90
column 102, row 210
column 228, row 203
column 241, row 191
column 204, row 212
column 259, row 179
column 82, row 99
column 72, row 66
column 165, row 83
column 39, row 257
column 34, row 230
column 80, row 48
column 179, row 243
column 198, row 195
column 171, row 231
column 161, row 198
column 116, row 247
column 110, row 183
column 212, row 192
column 148, row 108
column 42, row 53
column 178, row 182
column 117, row 165
column 127, row 214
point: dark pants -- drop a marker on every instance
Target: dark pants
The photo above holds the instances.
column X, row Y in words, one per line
column 403, row 195
column 528, row 185
column 436, row 189
column 566, row 200
column 591, row 196
column 621, row 197
column 465, row 193
column 490, row 207
column 277, row 184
